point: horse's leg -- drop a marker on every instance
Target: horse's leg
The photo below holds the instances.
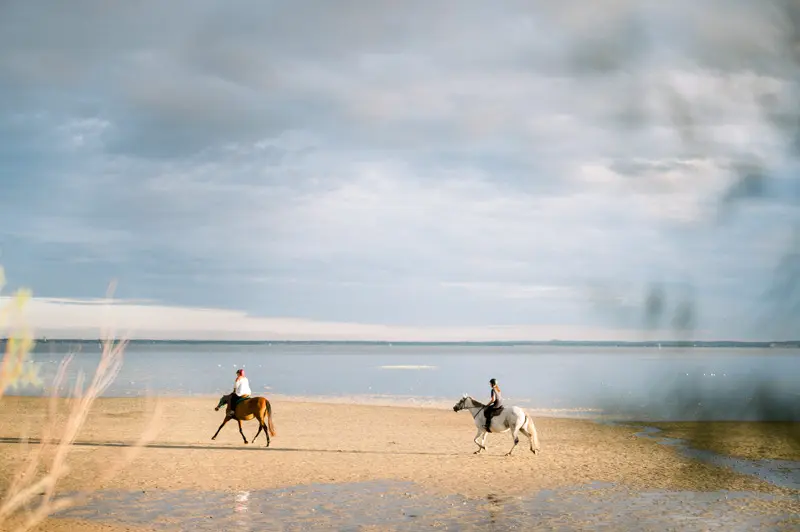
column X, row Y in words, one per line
column 480, row 445
column 515, row 435
column 261, row 419
column 528, row 435
column 214, row 437
column 240, row 429
column 266, row 430
column 529, row 430
column 534, row 436
column 262, row 425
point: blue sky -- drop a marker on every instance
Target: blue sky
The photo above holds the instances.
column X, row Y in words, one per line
column 454, row 170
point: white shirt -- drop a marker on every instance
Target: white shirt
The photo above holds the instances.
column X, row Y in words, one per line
column 242, row 387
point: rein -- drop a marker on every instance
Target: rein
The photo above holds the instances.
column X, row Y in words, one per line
column 475, row 415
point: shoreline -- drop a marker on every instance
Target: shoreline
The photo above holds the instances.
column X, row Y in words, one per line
column 671, row 427
column 377, row 400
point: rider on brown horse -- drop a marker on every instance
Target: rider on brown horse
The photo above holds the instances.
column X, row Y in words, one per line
column 241, row 389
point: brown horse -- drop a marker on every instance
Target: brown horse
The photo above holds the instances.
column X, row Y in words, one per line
column 253, row 407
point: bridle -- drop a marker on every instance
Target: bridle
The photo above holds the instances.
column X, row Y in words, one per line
column 464, row 406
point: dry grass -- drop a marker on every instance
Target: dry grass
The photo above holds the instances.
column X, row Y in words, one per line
column 32, row 494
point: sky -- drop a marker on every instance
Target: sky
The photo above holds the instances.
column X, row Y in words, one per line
column 454, row 170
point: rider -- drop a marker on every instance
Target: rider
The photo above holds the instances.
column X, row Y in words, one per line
column 241, row 389
column 495, row 404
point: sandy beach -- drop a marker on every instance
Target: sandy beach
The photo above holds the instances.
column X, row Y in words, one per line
column 340, row 443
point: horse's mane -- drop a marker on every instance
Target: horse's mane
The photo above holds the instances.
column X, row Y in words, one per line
column 475, row 402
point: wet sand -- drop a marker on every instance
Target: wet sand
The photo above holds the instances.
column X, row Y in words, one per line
column 320, row 443
column 751, row 440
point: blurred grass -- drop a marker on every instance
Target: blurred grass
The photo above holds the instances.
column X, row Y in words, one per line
column 17, row 368
column 32, row 495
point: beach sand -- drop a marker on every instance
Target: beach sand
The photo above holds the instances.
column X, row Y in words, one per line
column 341, row 443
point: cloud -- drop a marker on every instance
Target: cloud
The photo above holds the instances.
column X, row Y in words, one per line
column 408, row 164
column 89, row 319
column 512, row 291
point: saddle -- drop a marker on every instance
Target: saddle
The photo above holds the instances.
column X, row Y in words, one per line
column 490, row 413
column 232, row 407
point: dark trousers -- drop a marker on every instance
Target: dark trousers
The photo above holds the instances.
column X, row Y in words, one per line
column 232, row 401
column 490, row 412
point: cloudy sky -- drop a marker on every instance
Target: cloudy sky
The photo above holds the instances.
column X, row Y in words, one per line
column 397, row 170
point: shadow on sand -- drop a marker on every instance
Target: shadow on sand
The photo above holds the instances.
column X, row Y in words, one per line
column 228, row 447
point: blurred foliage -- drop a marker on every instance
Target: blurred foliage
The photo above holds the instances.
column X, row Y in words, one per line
column 32, row 495
column 17, row 369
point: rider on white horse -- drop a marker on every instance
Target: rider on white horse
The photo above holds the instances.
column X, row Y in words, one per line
column 494, row 406
column 512, row 419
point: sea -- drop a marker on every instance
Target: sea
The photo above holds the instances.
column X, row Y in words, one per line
column 648, row 383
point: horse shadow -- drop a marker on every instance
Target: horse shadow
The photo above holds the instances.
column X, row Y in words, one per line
column 203, row 447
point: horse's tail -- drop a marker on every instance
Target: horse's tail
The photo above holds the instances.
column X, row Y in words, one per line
column 531, row 429
column 269, row 419
column 528, row 421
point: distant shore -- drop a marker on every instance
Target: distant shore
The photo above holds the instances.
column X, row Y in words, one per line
column 656, row 344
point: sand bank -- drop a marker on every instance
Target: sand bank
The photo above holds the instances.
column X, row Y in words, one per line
column 752, row 441
column 341, row 443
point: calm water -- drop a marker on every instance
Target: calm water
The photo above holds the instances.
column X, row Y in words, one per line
column 649, row 383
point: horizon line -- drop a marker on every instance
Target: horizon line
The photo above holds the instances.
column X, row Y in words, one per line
column 45, row 339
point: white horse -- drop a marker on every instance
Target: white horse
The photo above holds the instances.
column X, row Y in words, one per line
column 511, row 418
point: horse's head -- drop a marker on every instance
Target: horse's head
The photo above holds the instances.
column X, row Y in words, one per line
column 462, row 403
column 222, row 401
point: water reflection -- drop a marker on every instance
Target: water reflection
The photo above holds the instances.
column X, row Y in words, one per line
column 241, row 501
column 240, row 509
column 495, row 508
